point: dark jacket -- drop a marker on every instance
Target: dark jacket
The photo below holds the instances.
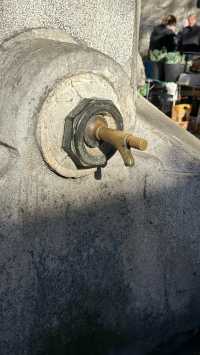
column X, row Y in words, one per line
column 189, row 39
column 162, row 36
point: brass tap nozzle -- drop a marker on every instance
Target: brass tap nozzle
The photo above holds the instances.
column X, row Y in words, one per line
column 122, row 141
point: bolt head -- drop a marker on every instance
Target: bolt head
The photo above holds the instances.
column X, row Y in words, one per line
column 84, row 151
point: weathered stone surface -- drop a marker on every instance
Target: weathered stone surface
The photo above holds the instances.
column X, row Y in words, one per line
column 104, row 25
column 140, row 73
column 88, row 266
column 80, row 73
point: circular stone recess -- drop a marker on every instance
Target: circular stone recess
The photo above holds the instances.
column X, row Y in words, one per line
column 65, row 96
column 40, row 33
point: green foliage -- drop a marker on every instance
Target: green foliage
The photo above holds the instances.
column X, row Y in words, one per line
column 167, row 57
column 158, row 55
column 143, row 90
column 175, row 58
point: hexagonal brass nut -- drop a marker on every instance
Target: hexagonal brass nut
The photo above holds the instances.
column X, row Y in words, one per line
column 74, row 130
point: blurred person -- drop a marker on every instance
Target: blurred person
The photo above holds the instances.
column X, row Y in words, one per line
column 189, row 36
column 164, row 35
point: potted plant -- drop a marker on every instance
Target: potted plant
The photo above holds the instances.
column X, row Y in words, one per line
column 174, row 65
column 154, row 65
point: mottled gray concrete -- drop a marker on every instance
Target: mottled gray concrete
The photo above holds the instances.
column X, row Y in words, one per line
column 88, row 266
column 104, row 25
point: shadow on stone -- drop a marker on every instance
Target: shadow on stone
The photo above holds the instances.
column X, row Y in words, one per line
column 102, row 278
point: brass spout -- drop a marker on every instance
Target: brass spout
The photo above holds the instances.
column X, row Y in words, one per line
column 122, row 141
column 118, row 140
